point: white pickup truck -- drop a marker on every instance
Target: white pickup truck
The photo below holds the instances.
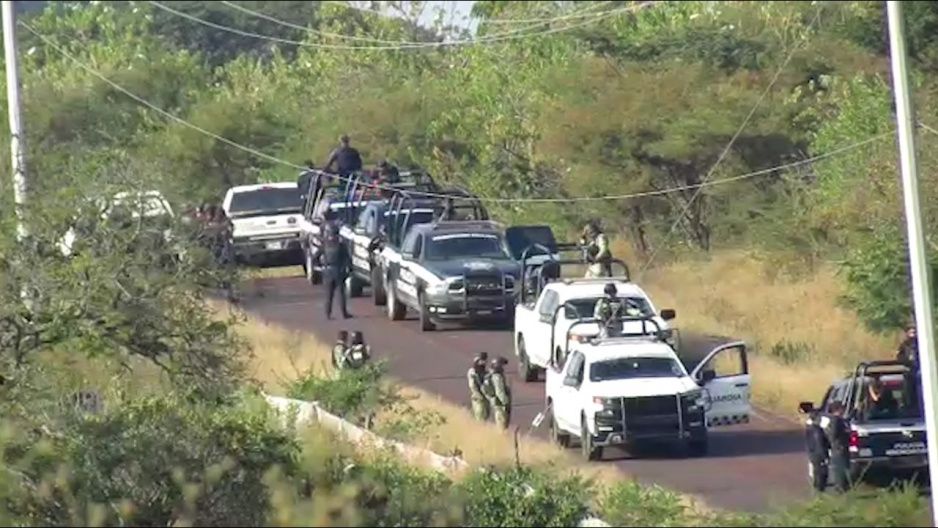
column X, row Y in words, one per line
column 139, row 204
column 265, row 220
column 542, row 321
column 634, row 389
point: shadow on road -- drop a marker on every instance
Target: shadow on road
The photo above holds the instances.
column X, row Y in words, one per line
column 723, row 444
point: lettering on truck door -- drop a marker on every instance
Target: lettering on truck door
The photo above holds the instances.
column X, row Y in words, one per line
column 729, row 390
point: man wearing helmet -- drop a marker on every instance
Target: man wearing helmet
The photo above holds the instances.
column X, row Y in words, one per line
column 498, row 392
column 476, row 378
column 609, row 310
column 346, row 158
column 597, row 251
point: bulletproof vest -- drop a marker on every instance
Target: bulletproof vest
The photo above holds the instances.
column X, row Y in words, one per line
column 332, row 253
column 475, row 383
column 609, row 309
column 836, row 431
column 348, row 160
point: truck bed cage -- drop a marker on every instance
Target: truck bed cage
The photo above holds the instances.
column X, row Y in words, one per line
column 657, row 334
column 549, row 269
column 862, row 371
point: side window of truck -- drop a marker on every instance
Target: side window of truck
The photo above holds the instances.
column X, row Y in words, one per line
column 409, row 244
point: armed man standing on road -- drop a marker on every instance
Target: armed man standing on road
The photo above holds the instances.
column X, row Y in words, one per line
column 337, row 263
column 346, row 158
column 597, row 251
column 498, row 392
column 476, row 378
column 837, row 432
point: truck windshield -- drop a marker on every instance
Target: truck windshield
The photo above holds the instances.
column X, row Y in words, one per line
column 635, row 367
column 265, row 201
column 466, row 245
column 583, row 308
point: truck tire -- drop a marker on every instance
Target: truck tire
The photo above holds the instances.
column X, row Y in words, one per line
column 378, row 294
column 396, row 310
column 426, row 323
column 590, row 452
column 525, row 370
column 557, row 436
column 353, row 286
column 312, row 275
column 698, row 447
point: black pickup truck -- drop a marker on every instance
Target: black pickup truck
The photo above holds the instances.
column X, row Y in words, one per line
column 887, row 437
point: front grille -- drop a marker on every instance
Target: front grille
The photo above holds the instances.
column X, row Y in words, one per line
column 484, row 285
column 651, row 406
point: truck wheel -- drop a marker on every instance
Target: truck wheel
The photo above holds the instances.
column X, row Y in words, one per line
column 817, row 474
column 313, row 276
column 426, row 324
column 698, row 447
column 396, row 311
column 525, row 370
column 557, row 436
column 378, row 294
column 353, row 286
column 590, row 452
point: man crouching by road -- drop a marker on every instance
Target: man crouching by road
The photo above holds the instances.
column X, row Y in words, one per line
column 476, row 378
column 498, row 392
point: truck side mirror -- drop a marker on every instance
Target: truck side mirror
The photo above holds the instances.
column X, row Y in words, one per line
column 668, row 314
column 707, row 376
column 806, row 407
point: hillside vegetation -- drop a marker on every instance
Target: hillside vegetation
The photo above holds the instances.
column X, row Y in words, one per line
column 795, row 243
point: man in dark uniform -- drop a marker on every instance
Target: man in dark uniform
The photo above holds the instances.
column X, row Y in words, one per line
column 346, row 158
column 837, row 431
column 337, row 264
column 908, row 354
column 304, row 182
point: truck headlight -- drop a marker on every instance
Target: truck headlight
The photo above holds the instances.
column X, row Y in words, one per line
column 696, row 400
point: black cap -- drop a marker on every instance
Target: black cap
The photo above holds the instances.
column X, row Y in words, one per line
column 610, row 289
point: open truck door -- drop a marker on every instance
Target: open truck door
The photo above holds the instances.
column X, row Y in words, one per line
column 724, row 373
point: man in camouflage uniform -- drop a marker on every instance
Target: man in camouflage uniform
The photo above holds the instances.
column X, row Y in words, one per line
column 476, row 378
column 609, row 311
column 498, row 392
column 598, row 255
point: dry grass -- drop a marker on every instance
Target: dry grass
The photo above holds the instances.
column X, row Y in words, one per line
column 799, row 337
column 282, row 355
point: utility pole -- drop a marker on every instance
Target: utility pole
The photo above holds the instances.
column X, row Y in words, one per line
column 921, row 287
column 17, row 135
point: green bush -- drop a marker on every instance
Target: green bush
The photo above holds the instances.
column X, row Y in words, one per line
column 524, row 497
column 156, row 461
column 632, row 504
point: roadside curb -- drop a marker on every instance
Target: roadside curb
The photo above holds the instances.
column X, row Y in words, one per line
column 310, row 411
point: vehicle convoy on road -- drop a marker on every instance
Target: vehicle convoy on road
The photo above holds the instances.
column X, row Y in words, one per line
column 330, row 199
column 633, row 389
column 451, row 271
column 265, row 221
column 549, row 306
column 886, row 435
column 149, row 205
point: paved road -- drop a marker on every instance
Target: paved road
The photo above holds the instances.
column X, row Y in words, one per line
column 750, row 467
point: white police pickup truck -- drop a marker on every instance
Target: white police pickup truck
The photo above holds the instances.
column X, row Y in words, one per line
column 149, row 205
column 633, row 389
column 541, row 322
column 265, row 219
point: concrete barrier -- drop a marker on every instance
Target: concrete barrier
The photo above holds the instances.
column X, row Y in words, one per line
column 311, row 412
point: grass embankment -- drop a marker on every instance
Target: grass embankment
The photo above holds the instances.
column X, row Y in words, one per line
column 800, row 338
column 281, row 356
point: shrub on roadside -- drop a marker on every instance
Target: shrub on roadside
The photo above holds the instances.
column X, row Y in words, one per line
column 524, row 497
column 632, row 504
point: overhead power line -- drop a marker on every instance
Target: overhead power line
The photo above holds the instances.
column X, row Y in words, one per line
column 726, row 150
column 395, row 43
column 419, row 45
column 48, row 42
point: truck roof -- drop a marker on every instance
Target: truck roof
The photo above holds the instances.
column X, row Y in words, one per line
column 585, row 288
column 626, row 347
column 462, row 226
column 260, row 186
